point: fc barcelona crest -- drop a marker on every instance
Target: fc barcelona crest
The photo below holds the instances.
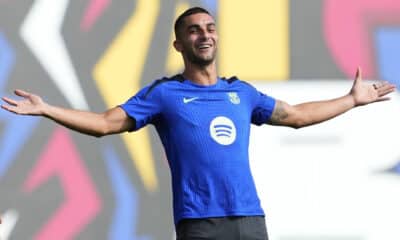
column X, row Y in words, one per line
column 234, row 97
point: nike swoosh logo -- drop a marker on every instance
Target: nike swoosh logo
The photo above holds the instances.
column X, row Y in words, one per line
column 188, row 100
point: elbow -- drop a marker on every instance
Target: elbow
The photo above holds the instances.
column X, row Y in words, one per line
column 102, row 130
column 299, row 123
column 98, row 135
column 296, row 118
column 296, row 126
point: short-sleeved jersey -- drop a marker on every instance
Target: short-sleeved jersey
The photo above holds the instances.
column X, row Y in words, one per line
column 205, row 132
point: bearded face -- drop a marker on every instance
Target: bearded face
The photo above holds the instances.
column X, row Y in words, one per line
column 197, row 39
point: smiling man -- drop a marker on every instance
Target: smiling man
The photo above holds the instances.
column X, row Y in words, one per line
column 204, row 121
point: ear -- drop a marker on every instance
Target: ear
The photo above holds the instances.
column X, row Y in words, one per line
column 178, row 46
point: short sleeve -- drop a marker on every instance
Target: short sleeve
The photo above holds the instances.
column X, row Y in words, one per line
column 263, row 108
column 144, row 107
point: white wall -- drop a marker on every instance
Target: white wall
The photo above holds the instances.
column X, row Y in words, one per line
column 328, row 181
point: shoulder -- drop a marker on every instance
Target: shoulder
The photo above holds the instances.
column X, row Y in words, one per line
column 162, row 82
column 230, row 80
column 235, row 81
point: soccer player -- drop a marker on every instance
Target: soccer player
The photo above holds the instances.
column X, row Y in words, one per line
column 203, row 121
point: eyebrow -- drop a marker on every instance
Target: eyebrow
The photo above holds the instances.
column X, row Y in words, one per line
column 212, row 24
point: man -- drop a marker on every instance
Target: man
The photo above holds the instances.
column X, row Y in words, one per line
column 204, row 123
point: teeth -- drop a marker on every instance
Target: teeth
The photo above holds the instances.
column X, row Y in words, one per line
column 204, row 46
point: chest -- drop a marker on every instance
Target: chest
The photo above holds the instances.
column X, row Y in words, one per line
column 198, row 108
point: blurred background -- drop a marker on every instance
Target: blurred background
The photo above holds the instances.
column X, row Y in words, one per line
column 335, row 181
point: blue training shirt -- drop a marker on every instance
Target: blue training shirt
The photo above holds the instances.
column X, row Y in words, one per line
column 205, row 132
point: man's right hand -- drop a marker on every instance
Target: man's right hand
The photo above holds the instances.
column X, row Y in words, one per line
column 112, row 121
column 30, row 104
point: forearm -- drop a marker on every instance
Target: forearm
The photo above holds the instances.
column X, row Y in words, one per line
column 315, row 112
column 114, row 120
column 310, row 113
column 84, row 122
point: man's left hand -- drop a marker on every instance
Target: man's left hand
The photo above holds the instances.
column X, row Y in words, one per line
column 364, row 93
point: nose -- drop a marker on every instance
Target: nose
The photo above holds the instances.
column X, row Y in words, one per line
column 205, row 35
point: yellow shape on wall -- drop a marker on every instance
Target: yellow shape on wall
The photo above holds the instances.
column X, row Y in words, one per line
column 174, row 59
column 118, row 75
column 254, row 39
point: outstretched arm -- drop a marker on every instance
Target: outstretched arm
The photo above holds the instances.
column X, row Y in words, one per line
column 112, row 121
column 310, row 113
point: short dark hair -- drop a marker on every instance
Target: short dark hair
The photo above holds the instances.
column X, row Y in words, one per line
column 190, row 11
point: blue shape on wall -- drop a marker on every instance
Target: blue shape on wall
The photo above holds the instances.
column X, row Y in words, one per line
column 388, row 53
column 126, row 200
column 211, row 6
column 17, row 129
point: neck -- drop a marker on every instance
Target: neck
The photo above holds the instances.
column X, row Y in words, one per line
column 202, row 75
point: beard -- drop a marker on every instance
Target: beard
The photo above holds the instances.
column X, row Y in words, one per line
column 201, row 60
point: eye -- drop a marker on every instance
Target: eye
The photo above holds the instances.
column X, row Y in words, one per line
column 193, row 30
column 211, row 28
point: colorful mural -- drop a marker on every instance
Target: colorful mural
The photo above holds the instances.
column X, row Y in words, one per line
column 93, row 55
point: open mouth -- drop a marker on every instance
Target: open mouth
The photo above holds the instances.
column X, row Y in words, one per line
column 204, row 46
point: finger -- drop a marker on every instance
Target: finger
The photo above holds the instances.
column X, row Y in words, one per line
column 21, row 93
column 385, row 91
column 382, row 99
column 10, row 108
column 384, row 86
column 358, row 74
column 387, row 86
column 10, row 101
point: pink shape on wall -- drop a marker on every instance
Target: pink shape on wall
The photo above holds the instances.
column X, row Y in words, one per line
column 93, row 12
column 348, row 32
column 61, row 159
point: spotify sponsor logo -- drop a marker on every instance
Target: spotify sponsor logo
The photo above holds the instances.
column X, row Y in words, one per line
column 222, row 130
